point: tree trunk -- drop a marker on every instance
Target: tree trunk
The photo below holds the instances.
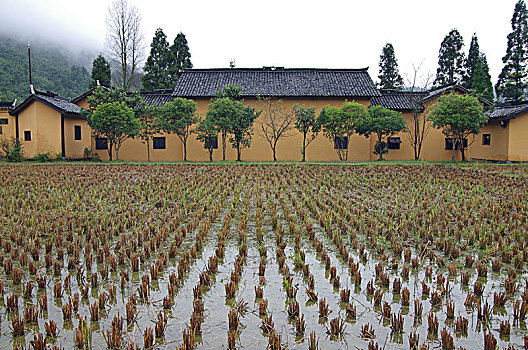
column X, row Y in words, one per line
column 210, row 155
column 238, row 151
column 223, row 144
column 185, row 151
column 117, row 153
column 110, row 146
column 304, row 148
column 462, row 151
column 148, row 151
column 453, row 146
column 379, row 149
column 274, row 148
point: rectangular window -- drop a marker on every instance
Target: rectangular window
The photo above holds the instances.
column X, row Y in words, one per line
column 393, row 142
column 211, row 142
column 27, row 135
column 449, row 144
column 101, row 143
column 4, row 121
column 158, row 143
column 77, row 129
column 486, row 139
column 341, row 142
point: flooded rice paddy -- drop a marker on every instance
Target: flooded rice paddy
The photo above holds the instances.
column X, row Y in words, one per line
column 262, row 256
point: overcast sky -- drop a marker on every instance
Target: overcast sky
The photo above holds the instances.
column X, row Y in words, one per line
column 314, row 34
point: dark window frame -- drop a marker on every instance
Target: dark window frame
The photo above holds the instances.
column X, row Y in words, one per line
column 27, row 135
column 486, row 139
column 341, row 142
column 1, row 130
column 77, row 132
column 101, row 143
column 4, row 121
column 209, row 140
column 395, row 144
column 159, row 142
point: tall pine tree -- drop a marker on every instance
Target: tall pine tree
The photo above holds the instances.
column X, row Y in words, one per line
column 481, row 82
column 100, row 72
column 156, row 68
column 513, row 79
column 476, row 75
column 471, row 62
column 450, row 60
column 389, row 76
column 180, row 59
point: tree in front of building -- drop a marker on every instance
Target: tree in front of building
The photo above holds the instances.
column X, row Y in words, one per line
column 458, row 116
column 116, row 122
column 418, row 126
column 338, row 124
column 306, row 123
column 179, row 59
column 242, row 127
column 275, row 122
column 177, row 117
column 219, row 112
column 207, row 132
column 156, row 68
column 384, row 123
column 124, row 42
column 513, row 79
column 389, row 75
column 100, row 72
column 148, row 118
column 450, row 60
column 234, row 92
column 476, row 76
column 105, row 95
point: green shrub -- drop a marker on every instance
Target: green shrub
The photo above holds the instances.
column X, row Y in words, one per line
column 43, row 157
column 12, row 149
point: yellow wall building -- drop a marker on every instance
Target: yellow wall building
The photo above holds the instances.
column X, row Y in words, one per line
column 47, row 123
column 55, row 125
column 7, row 122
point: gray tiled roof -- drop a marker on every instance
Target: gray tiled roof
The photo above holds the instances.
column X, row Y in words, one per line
column 51, row 100
column 157, row 98
column 278, row 82
column 7, row 105
column 397, row 100
column 60, row 103
column 509, row 111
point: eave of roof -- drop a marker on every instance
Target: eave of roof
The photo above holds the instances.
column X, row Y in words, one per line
column 508, row 111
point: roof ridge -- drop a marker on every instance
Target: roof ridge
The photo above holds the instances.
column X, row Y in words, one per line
column 275, row 69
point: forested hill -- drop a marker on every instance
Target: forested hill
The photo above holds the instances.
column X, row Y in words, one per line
column 52, row 69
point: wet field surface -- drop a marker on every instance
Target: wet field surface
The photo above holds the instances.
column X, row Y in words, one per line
column 263, row 256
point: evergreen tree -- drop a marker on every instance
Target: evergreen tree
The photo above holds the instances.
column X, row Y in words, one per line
column 471, row 62
column 100, row 72
column 513, row 78
column 180, row 59
column 389, row 76
column 450, row 60
column 477, row 77
column 156, row 67
column 481, row 83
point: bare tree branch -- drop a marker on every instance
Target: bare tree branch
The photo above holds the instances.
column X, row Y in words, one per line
column 124, row 42
column 275, row 122
column 418, row 126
